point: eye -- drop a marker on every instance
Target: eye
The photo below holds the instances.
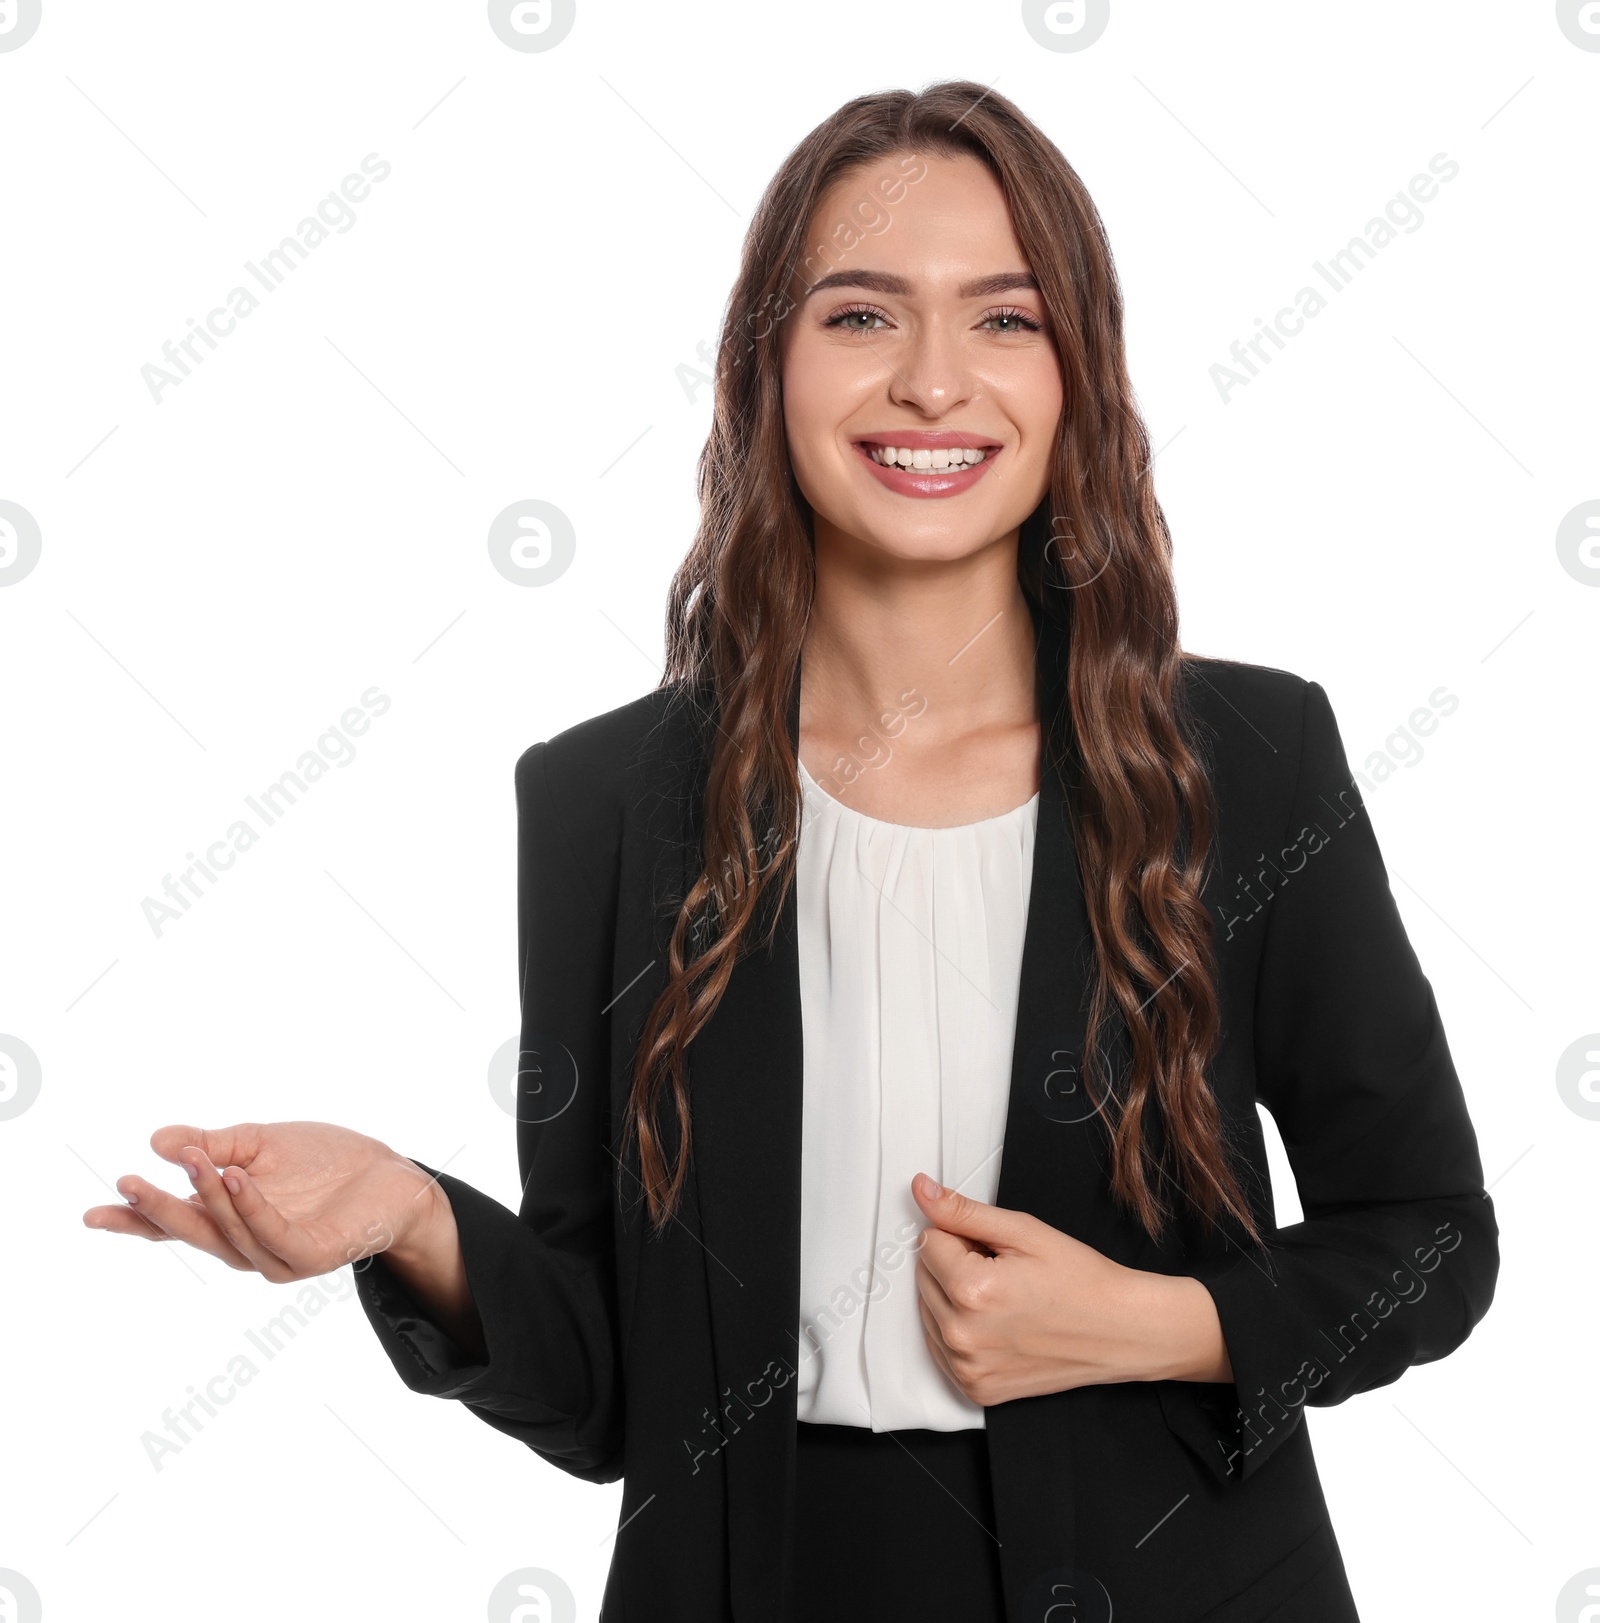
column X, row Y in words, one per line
column 857, row 318
column 1020, row 319
column 843, row 319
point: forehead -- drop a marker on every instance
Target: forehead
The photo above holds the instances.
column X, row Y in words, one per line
column 933, row 219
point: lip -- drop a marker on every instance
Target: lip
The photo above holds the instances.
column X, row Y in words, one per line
column 929, row 439
column 928, row 482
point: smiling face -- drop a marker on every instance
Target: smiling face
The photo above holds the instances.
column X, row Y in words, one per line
column 927, row 342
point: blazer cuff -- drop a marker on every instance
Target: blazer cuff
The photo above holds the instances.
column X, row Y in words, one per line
column 551, row 1374
column 426, row 1358
column 1236, row 1427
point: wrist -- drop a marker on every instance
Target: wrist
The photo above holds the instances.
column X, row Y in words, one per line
column 1182, row 1338
column 428, row 1230
column 427, row 1258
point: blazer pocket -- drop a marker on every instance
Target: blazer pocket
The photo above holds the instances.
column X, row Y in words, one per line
column 1205, row 1418
column 1287, row 1580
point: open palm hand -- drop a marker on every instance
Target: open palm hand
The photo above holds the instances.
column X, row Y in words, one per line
column 288, row 1200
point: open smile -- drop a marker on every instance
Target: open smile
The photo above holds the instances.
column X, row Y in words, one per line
column 927, row 464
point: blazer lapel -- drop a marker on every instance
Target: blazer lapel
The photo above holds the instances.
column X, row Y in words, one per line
column 745, row 1103
column 1052, row 1164
column 747, row 1070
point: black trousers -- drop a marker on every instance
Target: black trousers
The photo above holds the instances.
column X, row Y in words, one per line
column 893, row 1524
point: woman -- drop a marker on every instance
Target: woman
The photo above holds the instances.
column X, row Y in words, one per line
column 933, row 854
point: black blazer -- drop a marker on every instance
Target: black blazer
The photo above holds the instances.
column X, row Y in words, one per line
column 671, row 1362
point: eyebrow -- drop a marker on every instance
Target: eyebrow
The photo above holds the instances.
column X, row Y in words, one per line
column 888, row 282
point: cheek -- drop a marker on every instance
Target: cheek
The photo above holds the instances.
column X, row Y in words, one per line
column 1036, row 393
column 820, row 391
column 805, row 406
column 824, row 382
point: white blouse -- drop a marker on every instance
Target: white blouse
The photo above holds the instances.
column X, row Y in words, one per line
column 910, row 963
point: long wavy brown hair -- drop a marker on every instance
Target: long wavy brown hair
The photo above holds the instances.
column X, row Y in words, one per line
column 1138, row 794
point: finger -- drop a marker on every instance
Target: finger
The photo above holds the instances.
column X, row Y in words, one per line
column 224, row 1146
column 998, row 1227
column 949, row 1257
column 122, row 1220
column 272, row 1233
column 218, row 1203
column 935, row 1342
column 186, row 1220
column 938, row 1311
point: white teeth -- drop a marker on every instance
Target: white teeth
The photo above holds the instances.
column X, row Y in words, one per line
column 955, row 456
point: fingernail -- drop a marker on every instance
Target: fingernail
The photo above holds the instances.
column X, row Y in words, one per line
column 132, row 1200
column 231, row 1182
column 193, row 1169
column 930, row 1190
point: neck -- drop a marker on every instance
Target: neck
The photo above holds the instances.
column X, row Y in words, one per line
column 887, row 633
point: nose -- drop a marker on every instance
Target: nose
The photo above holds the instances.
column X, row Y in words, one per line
column 931, row 374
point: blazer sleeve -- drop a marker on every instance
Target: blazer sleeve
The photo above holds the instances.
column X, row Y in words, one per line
column 543, row 1278
column 1398, row 1253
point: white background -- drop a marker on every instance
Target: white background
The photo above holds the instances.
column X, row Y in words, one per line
column 225, row 572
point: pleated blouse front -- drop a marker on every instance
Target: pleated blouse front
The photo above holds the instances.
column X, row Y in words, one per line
column 910, row 962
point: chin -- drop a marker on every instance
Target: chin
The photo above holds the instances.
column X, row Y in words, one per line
column 942, row 542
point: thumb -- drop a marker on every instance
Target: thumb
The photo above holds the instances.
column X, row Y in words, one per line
column 995, row 1226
